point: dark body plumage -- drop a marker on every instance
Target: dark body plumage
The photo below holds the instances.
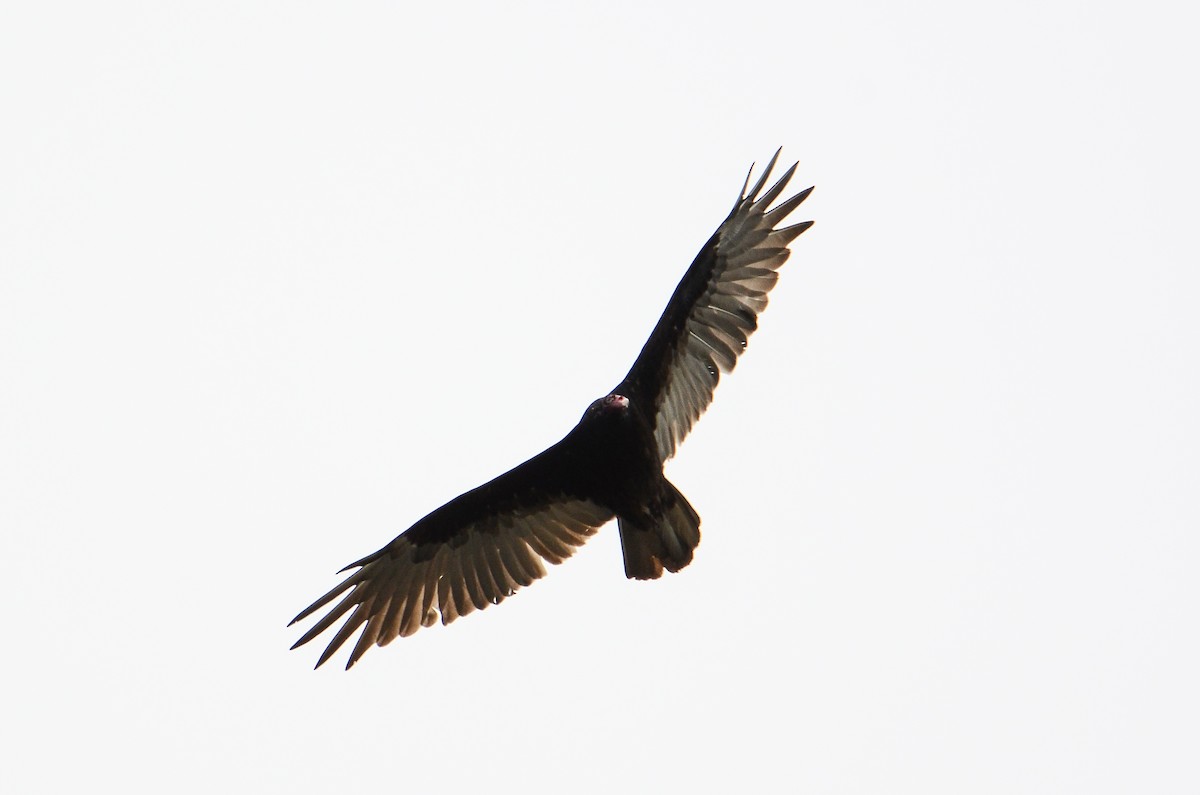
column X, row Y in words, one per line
column 483, row 545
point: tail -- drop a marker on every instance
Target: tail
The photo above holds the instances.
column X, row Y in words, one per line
column 663, row 538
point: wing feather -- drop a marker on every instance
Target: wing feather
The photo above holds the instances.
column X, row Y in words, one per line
column 475, row 580
column 405, row 586
column 714, row 310
column 457, row 583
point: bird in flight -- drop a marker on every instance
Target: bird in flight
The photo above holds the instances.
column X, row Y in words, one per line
column 482, row 546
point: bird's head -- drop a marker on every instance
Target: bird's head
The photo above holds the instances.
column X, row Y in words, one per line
column 613, row 404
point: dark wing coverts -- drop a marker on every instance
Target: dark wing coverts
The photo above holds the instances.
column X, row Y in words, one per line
column 713, row 311
column 473, row 552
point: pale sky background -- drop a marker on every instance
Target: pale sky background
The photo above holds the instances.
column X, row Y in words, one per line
column 277, row 279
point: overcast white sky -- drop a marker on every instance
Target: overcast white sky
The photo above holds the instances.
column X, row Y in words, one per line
column 277, row 279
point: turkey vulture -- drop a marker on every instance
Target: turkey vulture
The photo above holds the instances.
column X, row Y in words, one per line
column 482, row 546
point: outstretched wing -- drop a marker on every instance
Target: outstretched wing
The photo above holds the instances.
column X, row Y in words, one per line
column 714, row 309
column 474, row 551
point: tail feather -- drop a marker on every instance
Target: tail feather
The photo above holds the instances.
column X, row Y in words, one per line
column 664, row 539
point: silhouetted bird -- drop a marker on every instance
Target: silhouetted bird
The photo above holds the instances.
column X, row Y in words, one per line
column 482, row 546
